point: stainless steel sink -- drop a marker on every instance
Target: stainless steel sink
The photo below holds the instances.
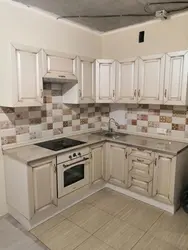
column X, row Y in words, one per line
column 113, row 135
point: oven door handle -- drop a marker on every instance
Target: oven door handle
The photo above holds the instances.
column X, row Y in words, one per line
column 69, row 165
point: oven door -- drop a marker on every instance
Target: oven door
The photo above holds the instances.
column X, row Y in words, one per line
column 72, row 176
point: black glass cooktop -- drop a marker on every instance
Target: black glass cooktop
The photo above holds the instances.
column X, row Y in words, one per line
column 60, row 144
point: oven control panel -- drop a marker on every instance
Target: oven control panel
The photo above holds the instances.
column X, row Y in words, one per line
column 72, row 155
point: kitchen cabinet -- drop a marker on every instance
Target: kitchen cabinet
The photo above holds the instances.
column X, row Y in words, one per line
column 44, row 185
column 105, row 80
column 97, row 163
column 176, row 78
column 151, row 79
column 27, row 73
column 140, row 175
column 164, row 178
column 84, row 91
column 59, row 65
column 127, row 81
column 117, row 164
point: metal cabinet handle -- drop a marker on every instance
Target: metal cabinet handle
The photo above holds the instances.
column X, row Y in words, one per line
column 41, row 93
column 165, row 93
column 135, row 93
column 139, row 160
column 80, row 93
column 139, row 93
column 62, row 76
column 113, row 93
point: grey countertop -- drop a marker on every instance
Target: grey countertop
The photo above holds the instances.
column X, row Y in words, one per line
column 30, row 153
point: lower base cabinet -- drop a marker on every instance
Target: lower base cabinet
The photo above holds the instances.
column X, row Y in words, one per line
column 43, row 185
column 164, row 178
column 97, row 163
column 117, row 164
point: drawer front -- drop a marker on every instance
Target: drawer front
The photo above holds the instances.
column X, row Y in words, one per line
column 139, row 185
column 142, row 153
column 141, row 167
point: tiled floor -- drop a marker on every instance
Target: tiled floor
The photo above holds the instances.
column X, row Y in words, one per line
column 105, row 221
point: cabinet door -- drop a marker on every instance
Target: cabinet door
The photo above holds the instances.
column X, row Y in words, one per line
column 97, row 163
column 127, row 81
column 86, row 78
column 59, row 63
column 164, row 178
column 27, row 69
column 105, row 81
column 151, row 79
column 44, row 185
column 176, row 78
column 117, row 164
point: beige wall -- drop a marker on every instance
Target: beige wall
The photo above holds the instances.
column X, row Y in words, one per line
column 22, row 25
column 160, row 36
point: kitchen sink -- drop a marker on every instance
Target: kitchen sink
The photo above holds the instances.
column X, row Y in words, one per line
column 113, row 135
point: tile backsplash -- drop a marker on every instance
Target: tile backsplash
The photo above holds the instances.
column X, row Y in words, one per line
column 147, row 118
column 53, row 118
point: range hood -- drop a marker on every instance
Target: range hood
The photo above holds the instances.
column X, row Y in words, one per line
column 60, row 77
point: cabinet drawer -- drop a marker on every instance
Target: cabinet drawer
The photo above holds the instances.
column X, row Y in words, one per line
column 142, row 153
column 143, row 167
column 139, row 185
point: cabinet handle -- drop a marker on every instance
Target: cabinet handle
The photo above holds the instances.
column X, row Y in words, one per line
column 155, row 162
column 165, row 93
column 55, row 168
column 41, row 93
column 139, row 93
column 62, row 76
column 126, row 155
column 113, row 93
column 135, row 93
column 80, row 93
column 139, row 160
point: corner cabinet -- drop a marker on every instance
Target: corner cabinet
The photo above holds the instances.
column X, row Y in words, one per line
column 176, row 78
column 164, row 178
column 117, row 164
column 97, row 163
column 27, row 74
column 151, row 79
column 105, row 80
column 127, row 81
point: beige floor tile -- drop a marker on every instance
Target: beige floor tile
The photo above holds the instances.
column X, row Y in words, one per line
column 93, row 244
column 37, row 231
column 90, row 218
column 119, row 234
column 113, row 203
column 72, row 210
column 64, row 236
column 139, row 214
column 102, row 194
column 172, row 229
column 149, row 242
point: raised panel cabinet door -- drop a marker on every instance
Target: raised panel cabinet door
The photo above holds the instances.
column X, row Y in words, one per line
column 127, row 81
column 105, row 81
column 151, row 79
column 118, row 166
column 27, row 73
column 164, row 178
column 176, row 78
column 59, row 63
column 97, row 163
column 44, row 185
column 86, row 79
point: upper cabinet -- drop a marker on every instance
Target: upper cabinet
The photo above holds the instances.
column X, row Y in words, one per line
column 127, row 81
column 151, row 79
column 27, row 73
column 59, row 65
column 176, row 78
column 84, row 91
column 105, row 81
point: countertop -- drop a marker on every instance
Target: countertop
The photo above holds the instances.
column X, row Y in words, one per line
column 30, row 153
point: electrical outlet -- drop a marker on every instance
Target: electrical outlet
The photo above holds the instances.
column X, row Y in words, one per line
column 162, row 131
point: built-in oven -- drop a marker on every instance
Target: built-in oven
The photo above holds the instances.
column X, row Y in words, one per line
column 73, row 173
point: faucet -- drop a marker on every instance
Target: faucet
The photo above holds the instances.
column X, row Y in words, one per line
column 109, row 128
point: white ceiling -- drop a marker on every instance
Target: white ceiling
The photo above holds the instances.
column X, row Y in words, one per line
column 101, row 7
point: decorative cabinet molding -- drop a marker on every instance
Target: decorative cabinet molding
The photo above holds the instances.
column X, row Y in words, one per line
column 127, row 81
column 105, row 80
column 176, row 78
column 151, row 79
column 27, row 74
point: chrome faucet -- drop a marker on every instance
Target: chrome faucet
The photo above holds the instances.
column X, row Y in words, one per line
column 109, row 122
